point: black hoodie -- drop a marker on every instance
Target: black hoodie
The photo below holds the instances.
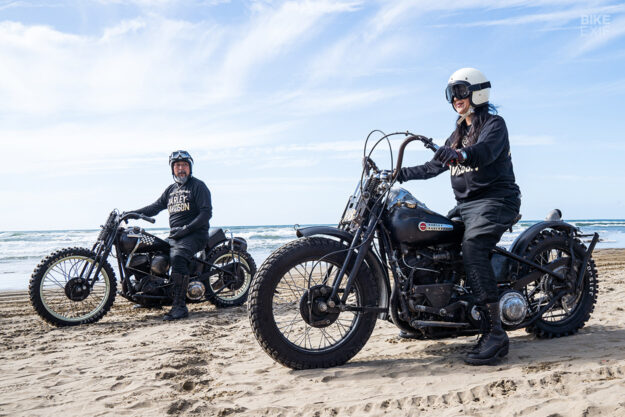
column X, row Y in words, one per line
column 487, row 171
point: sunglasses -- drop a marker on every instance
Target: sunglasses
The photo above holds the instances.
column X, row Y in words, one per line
column 463, row 89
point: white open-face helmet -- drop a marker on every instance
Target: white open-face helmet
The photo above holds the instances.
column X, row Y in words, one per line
column 468, row 82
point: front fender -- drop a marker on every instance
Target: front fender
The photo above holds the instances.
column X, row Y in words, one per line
column 372, row 261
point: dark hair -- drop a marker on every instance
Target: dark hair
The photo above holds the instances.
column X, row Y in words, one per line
column 479, row 117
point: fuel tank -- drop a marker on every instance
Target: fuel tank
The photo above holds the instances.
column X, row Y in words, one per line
column 411, row 222
column 147, row 242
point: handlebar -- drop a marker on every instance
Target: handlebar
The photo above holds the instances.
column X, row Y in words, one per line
column 131, row 215
column 427, row 142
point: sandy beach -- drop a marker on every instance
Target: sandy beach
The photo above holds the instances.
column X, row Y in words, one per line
column 132, row 363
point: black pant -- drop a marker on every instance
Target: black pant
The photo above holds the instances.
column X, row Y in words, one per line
column 485, row 220
column 182, row 250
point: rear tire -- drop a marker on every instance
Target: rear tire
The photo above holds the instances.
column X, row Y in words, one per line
column 572, row 312
column 277, row 305
column 55, row 279
column 230, row 289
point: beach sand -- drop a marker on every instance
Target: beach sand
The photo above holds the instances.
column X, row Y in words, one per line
column 133, row 363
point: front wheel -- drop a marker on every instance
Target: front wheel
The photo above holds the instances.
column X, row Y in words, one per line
column 63, row 297
column 298, row 333
column 230, row 284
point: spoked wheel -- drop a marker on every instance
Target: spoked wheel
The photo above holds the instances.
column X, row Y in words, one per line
column 289, row 300
column 63, row 297
column 229, row 287
column 572, row 311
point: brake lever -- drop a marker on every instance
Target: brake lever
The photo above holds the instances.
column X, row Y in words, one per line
column 372, row 165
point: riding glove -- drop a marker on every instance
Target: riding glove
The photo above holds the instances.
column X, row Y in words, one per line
column 448, row 156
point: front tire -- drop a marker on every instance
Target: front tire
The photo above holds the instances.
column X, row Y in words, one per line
column 573, row 310
column 280, row 318
column 58, row 293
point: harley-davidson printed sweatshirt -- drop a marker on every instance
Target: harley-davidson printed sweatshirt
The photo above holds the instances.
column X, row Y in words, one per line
column 188, row 204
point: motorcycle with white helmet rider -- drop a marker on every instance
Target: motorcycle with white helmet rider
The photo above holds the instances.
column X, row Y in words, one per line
column 315, row 300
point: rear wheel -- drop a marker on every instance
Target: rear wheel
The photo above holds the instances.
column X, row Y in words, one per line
column 572, row 311
column 299, row 334
column 62, row 297
column 230, row 285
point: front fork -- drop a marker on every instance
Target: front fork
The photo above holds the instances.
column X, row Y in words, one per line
column 363, row 249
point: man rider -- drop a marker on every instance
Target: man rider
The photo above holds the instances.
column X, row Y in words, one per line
column 188, row 201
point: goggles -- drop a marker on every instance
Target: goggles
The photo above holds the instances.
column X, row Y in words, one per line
column 180, row 155
column 463, row 89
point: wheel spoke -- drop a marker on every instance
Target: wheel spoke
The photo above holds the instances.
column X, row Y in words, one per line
column 286, row 308
column 53, row 285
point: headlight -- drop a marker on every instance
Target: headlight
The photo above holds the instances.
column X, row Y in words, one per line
column 350, row 214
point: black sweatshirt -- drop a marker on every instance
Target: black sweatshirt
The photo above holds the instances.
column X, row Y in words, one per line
column 487, row 171
column 188, row 204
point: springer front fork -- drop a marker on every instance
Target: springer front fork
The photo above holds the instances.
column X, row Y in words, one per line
column 361, row 247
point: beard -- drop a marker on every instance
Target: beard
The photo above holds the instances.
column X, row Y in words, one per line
column 181, row 180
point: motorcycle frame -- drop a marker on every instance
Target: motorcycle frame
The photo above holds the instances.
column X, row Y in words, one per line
column 109, row 238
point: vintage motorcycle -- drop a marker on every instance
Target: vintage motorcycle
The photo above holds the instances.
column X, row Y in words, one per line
column 74, row 286
column 314, row 301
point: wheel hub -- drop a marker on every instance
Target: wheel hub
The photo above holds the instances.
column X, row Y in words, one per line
column 233, row 276
column 318, row 313
column 77, row 289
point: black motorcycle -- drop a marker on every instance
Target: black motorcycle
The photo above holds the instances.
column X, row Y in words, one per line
column 315, row 300
column 78, row 286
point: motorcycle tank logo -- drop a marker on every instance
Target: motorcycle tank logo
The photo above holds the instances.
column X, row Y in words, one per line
column 435, row 227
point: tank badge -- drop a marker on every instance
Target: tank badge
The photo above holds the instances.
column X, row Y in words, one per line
column 435, row 227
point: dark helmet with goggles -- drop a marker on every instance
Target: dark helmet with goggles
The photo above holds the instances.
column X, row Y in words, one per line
column 180, row 156
column 468, row 83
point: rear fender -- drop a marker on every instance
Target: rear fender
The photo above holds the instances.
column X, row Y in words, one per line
column 238, row 243
column 521, row 243
column 501, row 264
column 372, row 261
column 217, row 237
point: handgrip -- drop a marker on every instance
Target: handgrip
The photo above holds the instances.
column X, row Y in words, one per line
column 148, row 219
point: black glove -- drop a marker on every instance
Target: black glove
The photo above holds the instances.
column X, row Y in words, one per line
column 178, row 232
column 447, row 155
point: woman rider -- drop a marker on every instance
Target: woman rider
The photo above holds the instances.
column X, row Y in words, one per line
column 478, row 155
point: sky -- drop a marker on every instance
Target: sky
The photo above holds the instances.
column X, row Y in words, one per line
column 274, row 100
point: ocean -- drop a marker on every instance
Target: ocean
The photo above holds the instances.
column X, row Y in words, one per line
column 20, row 252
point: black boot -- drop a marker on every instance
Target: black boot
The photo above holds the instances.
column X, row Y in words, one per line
column 179, row 305
column 493, row 344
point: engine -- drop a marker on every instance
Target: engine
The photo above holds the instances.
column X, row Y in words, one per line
column 155, row 264
column 428, row 266
column 150, row 272
column 430, row 290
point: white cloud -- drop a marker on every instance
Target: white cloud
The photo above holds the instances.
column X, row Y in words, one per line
column 271, row 33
